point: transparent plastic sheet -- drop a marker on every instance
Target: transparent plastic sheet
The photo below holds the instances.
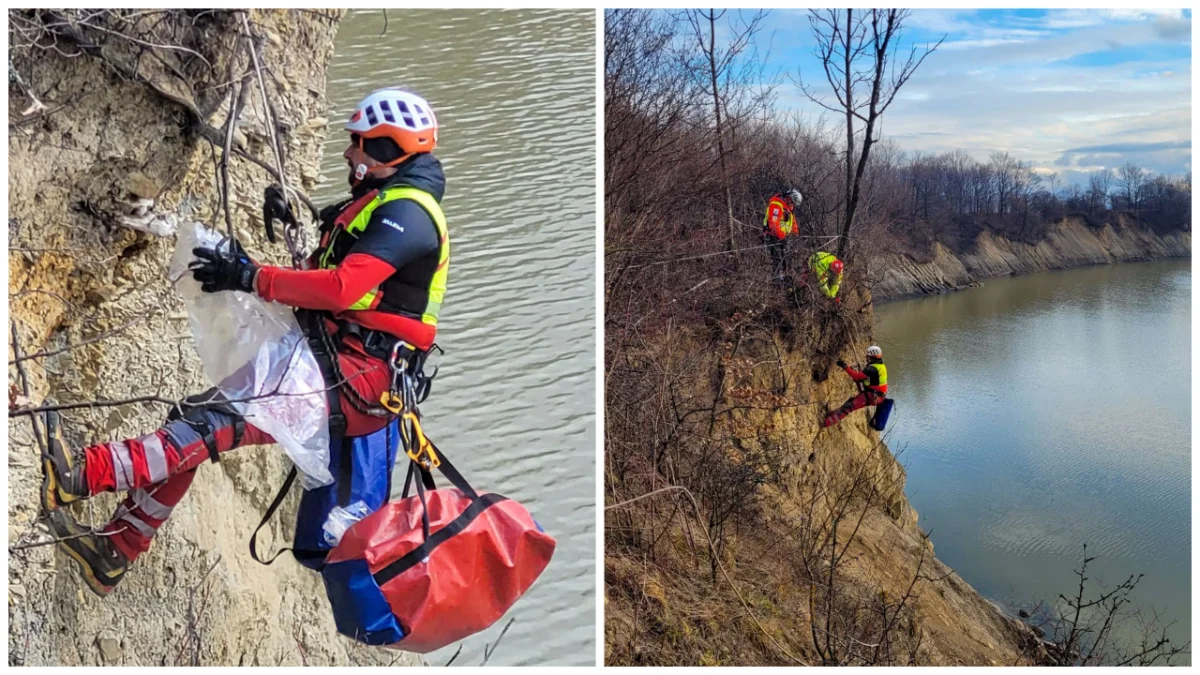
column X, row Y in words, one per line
column 256, row 354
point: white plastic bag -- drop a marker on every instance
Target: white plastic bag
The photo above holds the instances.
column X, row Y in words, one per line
column 256, row 354
column 340, row 519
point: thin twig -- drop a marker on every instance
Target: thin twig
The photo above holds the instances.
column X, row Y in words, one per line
column 488, row 650
column 82, row 343
column 16, row 346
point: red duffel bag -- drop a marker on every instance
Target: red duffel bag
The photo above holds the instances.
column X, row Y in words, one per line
column 429, row 570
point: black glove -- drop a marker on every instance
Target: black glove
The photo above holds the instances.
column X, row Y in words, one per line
column 221, row 271
column 275, row 207
column 841, row 364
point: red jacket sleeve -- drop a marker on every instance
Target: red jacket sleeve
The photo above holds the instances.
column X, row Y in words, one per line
column 855, row 375
column 333, row 289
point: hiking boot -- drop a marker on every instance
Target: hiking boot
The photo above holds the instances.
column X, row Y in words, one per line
column 100, row 563
column 62, row 471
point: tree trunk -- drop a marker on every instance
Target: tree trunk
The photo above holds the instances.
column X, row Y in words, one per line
column 849, row 213
column 712, row 69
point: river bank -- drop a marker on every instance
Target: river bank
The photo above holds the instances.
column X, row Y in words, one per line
column 1069, row 243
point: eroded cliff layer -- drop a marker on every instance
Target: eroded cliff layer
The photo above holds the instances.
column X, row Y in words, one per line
column 1069, row 243
column 783, row 502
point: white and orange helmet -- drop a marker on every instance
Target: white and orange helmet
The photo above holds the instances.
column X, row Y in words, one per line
column 397, row 114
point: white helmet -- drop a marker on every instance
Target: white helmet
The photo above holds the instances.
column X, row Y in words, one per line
column 399, row 115
column 795, row 196
column 875, row 352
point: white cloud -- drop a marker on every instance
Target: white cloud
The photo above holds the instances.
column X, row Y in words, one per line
column 956, row 45
column 1005, row 88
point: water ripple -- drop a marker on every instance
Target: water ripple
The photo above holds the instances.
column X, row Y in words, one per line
column 515, row 96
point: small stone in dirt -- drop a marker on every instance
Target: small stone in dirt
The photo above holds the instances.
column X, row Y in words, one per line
column 17, row 590
column 110, row 649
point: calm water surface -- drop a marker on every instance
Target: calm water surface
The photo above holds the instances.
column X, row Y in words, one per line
column 1043, row 412
column 514, row 404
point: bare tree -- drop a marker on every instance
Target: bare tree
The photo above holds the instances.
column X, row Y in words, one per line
column 1132, row 180
column 720, row 67
column 1089, row 629
column 860, row 50
column 1099, row 186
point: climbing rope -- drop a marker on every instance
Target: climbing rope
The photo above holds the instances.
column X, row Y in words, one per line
column 293, row 235
column 827, row 240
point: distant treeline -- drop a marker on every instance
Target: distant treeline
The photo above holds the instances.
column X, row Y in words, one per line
column 666, row 177
column 951, row 197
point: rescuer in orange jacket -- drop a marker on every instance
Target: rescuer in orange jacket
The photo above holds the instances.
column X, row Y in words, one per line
column 778, row 223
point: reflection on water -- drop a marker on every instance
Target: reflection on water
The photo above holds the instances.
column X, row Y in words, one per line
column 1040, row 413
column 514, row 404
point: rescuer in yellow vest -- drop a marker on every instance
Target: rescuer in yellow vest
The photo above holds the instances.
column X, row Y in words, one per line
column 827, row 270
column 874, row 390
column 370, row 297
column 778, row 223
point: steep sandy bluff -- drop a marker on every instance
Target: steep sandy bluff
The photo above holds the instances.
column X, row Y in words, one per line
column 960, row 627
column 772, row 380
column 1069, row 243
column 122, row 122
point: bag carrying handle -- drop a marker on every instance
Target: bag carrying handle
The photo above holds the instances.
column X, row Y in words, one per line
column 283, row 491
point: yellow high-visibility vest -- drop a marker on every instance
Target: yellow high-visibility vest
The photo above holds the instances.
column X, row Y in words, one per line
column 437, row 285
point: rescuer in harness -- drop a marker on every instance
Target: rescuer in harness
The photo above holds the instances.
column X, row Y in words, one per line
column 827, row 270
column 874, row 377
column 368, row 302
column 779, row 222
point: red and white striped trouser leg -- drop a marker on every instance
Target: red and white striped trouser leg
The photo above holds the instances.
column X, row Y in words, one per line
column 157, row 470
column 862, row 400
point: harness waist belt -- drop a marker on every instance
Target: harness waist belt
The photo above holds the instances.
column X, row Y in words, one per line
column 376, row 343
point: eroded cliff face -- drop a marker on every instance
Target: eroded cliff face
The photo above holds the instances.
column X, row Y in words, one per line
column 959, row 626
column 1069, row 243
column 774, row 389
column 117, row 129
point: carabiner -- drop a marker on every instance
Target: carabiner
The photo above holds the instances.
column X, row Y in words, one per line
column 425, row 455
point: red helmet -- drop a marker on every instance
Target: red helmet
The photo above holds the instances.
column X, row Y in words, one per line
column 836, row 266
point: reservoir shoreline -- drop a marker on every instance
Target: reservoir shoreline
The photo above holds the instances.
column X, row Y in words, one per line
column 1069, row 243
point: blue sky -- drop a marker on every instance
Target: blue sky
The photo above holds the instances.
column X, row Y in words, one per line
column 1070, row 90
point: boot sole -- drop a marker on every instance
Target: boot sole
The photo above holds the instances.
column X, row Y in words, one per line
column 89, row 575
column 52, row 496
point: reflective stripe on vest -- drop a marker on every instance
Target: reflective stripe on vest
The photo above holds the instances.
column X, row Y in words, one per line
column 881, row 370
column 437, row 286
column 779, row 218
